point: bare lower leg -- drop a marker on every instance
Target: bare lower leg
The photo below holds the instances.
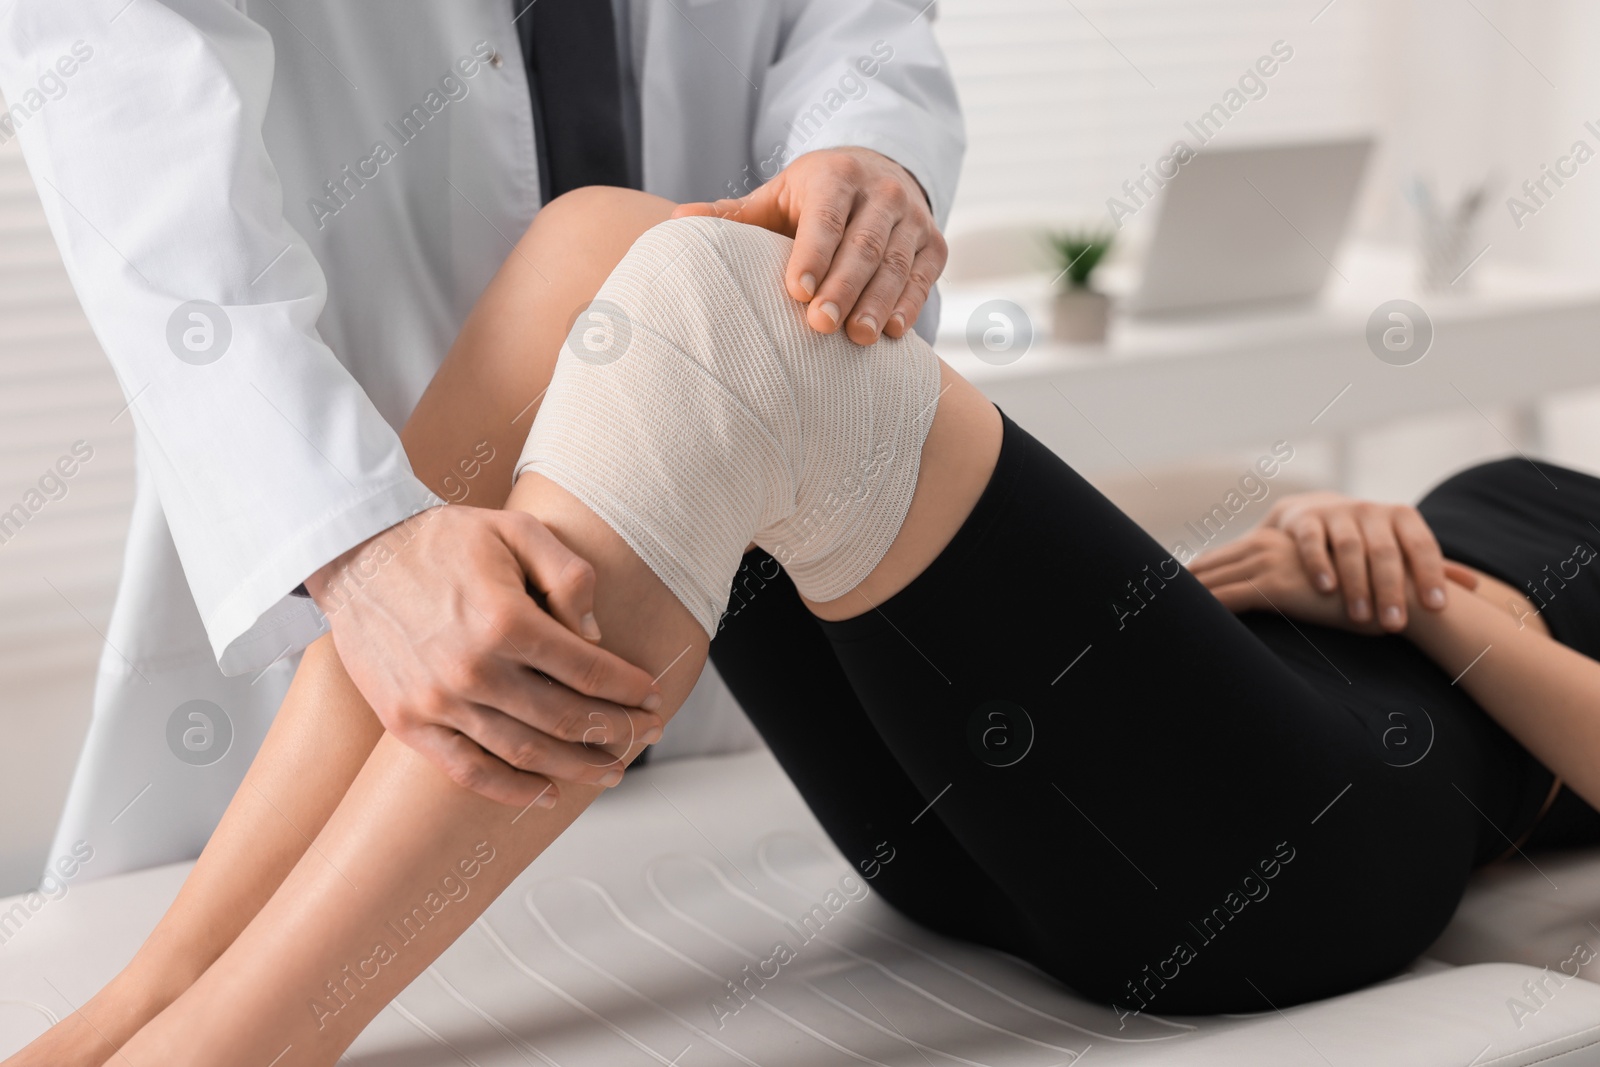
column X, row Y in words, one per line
column 324, row 956
column 306, row 763
column 324, row 732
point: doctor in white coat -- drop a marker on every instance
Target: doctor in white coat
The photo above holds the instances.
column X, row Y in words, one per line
column 277, row 214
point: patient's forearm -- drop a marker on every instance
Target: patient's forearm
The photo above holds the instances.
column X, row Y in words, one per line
column 1545, row 694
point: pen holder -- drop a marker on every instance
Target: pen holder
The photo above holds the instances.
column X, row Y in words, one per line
column 1445, row 250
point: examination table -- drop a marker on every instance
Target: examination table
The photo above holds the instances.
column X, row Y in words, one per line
column 617, row 946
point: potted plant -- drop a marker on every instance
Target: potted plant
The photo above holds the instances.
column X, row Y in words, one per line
column 1081, row 314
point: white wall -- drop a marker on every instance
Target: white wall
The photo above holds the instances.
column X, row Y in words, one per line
column 1065, row 101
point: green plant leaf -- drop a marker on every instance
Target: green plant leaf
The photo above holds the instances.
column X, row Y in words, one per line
column 1079, row 252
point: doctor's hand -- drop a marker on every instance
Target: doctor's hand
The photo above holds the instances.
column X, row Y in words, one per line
column 434, row 621
column 867, row 249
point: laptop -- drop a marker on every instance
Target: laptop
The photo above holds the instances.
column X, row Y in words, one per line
column 1259, row 224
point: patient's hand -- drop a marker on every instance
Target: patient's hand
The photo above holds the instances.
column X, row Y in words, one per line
column 867, row 249
column 1262, row 571
column 1375, row 548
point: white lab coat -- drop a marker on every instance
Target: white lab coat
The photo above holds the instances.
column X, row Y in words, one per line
column 227, row 151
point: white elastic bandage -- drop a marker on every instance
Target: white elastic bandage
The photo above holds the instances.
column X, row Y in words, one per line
column 695, row 412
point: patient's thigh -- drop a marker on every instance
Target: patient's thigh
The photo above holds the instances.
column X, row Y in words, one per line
column 470, row 423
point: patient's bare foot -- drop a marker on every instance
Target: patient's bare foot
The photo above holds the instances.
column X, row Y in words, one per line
column 91, row 1036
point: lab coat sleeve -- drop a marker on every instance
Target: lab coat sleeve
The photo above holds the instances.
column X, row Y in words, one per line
column 268, row 458
column 866, row 73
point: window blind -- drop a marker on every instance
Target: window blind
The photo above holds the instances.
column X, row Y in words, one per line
column 61, row 536
column 1066, row 100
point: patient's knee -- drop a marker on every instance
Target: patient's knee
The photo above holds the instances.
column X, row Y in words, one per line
column 593, row 226
column 599, row 201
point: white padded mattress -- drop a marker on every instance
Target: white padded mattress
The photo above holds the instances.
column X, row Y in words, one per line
column 611, row 949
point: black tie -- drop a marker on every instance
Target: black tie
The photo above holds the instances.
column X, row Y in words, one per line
column 569, row 48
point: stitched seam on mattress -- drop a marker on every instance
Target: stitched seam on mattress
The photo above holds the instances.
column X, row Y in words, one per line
column 1553, row 1055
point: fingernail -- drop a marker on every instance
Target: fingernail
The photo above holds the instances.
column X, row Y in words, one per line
column 1359, row 609
column 1324, row 581
column 830, row 311
column 1391, row 615
column 611, row 777
column 546, row 799
column 869, row 322
column 1436, row 598
column 651, row 702
column 808, row 282
column 652, row 735
column 897, row 320
column 591, row 629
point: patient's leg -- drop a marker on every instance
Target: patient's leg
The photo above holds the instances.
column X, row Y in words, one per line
column 480, row 404
column 321, row 737
column 409, row 860
column 408, row 850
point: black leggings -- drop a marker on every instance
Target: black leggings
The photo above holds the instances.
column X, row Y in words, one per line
column 1167, row 807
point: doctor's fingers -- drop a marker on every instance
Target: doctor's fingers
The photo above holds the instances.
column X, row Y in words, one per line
column 595, row 759
column 565, row 578
column 856, row 258
column 551, row 642
column 535, row 701
column 888, row 288
column 533, row 639
column 925, row 270
column 470, row 767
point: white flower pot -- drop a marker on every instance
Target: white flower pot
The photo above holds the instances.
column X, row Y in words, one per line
column 1081, row 316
